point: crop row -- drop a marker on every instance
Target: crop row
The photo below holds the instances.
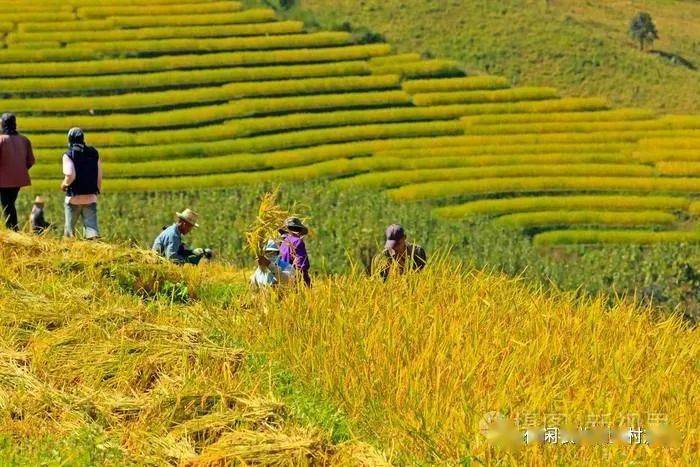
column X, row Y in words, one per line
column 324, row 169
column 214, row 60
column 65, row 26
column 232, row 30
column 251, row 126
column 186, row 45
column 53, row 5
column 592, row 237
column 524, row 204
column 246, row 16
column 34, row 45
column 16, row 57
column 274, row 142
column 200, row 115
column 185, row 8
column 247, row 162
column 202, row 95
column 421, row 69
column 682, row 169
column 496, row 149
column 671, row 143
column 37, row 16
column 455, row 84
column 23, row 7
column 181, row 78
column 547, row 139
column 586, row 217
column 407, row 177
column 585, row 127
column 498, row 95
column 595, row 116
column 394, row 59
column 434, row 190
column 667, row 155
column 432, row 161
column 274, row 123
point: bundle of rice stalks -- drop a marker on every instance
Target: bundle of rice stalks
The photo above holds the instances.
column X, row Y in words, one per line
column 303, row 447
column 270, row 218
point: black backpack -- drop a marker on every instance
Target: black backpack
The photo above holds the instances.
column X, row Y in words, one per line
column 85, row 159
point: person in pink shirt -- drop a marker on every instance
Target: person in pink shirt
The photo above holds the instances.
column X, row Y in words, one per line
column 16, row 158
column 82, row 183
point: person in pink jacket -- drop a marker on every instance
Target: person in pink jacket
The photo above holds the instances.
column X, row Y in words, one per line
column 16, row 158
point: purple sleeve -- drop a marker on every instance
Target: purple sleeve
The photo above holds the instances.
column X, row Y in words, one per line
column 301, row 257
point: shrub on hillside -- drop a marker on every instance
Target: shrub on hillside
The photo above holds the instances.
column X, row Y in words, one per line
column 643, row 29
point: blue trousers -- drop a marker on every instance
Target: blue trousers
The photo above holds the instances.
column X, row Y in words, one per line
column 89, row 215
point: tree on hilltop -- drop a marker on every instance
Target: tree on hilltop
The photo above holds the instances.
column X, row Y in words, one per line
column 643, row 29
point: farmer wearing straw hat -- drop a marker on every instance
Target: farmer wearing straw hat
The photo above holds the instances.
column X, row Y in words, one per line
column 36, row 218
column 399, row 255
column 169, row 243
column 16, row 158
column 272, row 270
column 293, row 248
column 82, row 183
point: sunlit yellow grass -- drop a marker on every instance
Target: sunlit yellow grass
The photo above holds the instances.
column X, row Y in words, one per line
column 420, row 359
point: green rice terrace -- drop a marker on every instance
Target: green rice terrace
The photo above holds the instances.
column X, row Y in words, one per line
column 229, row 96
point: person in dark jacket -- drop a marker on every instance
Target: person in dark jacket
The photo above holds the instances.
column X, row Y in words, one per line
column 82, row 183
column 293, row 248
column 16, row 158
column 399, row 255
column 36, row 218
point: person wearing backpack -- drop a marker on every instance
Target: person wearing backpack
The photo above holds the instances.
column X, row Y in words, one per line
column 82, row 183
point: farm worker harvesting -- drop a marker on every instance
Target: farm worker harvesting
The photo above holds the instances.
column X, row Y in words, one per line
column 400, row 255
column 293, row 248
column 82, row 183
column 169, row 242
column 16, row 158
column 36, row 217
column 272, row 270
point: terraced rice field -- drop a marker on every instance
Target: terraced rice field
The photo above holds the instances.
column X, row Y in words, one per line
column 207, row 94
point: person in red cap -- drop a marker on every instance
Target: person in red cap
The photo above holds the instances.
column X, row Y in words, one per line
column 399, row 254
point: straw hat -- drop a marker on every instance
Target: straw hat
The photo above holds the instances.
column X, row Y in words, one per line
column 39, row 200
column 188, row 216
column 294, row 224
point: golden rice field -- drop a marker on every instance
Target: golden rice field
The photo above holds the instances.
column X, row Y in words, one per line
column 100, row 337
column 189, row 94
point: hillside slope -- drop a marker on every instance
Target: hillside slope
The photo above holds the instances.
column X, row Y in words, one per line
column 110, row 356
column 581, row 48
column 240, row 96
